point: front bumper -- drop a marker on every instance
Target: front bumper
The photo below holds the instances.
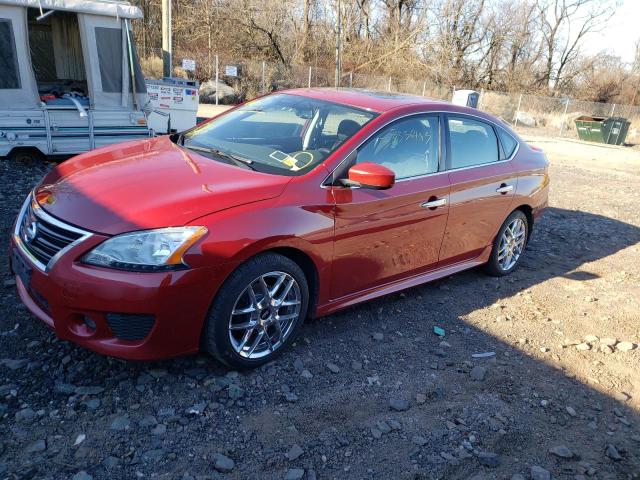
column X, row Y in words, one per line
column 70, row 292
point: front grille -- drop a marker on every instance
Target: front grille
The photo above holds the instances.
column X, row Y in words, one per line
column 42, row 236
column 130, row 326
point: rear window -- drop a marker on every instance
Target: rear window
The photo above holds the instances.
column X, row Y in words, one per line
column 472, row 142
column 9, row 77
column 509, row 143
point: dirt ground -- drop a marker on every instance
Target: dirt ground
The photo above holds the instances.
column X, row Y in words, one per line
column 372, row 392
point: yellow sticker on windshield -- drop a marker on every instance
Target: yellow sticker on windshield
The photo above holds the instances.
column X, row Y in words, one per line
column 293, row 161
column 290, row 162
column 300, row 157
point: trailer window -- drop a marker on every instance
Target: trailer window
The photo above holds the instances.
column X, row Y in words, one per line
column 109, row 43
column 57, row 58
column 43, row 58
column 9, row 76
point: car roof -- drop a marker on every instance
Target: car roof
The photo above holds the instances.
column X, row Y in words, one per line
column 380, row 102
column 366, row 99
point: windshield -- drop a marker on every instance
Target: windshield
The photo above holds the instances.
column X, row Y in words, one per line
column 281, row 134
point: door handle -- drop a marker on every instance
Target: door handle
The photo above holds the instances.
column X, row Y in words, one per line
column 433, row 203
column 504, row 188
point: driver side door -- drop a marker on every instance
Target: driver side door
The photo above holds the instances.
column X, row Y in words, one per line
column 386, row 235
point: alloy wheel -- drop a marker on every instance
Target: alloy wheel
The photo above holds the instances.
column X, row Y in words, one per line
column 264, row 315
column 512, row 244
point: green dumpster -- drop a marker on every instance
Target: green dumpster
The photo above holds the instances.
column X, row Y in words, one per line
column 611, row 130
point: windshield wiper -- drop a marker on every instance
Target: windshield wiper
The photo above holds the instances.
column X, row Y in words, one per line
column 240, row 161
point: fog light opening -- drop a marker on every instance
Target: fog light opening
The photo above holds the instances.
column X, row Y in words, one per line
column 91, row 325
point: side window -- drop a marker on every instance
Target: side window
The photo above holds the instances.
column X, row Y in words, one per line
column 472, row 142
column 509, row 143
column 9, row 75
column 408, row 146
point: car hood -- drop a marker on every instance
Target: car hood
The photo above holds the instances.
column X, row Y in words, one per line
column 148, row 184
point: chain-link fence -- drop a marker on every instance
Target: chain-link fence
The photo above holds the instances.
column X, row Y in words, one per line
column 553, row 116
column 239, row 80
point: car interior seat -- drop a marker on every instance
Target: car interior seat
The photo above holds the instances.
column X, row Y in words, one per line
column 346, row 128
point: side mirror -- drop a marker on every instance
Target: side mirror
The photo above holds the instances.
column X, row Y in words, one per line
column 371, row 175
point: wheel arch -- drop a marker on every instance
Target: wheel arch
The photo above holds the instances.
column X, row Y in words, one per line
column 311, row 263
column 301, row 258
column 308, row 266
column 528, row 212
column 34, row 152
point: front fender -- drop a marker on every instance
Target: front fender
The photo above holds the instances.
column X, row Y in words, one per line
column 240, row 233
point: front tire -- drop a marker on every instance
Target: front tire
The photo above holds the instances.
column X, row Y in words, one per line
column 257, row 312
column 509, row 245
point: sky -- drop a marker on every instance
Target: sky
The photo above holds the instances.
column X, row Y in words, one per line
column 620, row 35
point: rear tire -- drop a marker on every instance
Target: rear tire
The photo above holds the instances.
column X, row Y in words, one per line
column 509, row 245
column 257, row 312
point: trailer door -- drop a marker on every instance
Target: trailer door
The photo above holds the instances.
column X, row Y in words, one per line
column 58, row 61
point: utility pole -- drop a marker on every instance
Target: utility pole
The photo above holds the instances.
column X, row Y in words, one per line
column 166, row 39
column 338, row 46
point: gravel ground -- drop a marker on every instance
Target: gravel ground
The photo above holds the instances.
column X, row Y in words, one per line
column 372, row 392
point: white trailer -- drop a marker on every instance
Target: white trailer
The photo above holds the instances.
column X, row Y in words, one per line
column 174, row 103
column 70, row 79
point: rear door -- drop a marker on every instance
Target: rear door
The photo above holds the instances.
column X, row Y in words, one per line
column 385, row 235
column 483, row 184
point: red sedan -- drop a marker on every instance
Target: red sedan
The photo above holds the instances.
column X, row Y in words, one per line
column 297, row 204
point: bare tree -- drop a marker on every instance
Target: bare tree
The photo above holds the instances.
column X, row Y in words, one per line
column 523, row 48
column 266, row 29
column 456, row 39
column 517, row 45
column 635, row 68
column 565, row 24
column 363, row 26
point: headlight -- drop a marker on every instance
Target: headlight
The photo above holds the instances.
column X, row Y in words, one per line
column 147, row 250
